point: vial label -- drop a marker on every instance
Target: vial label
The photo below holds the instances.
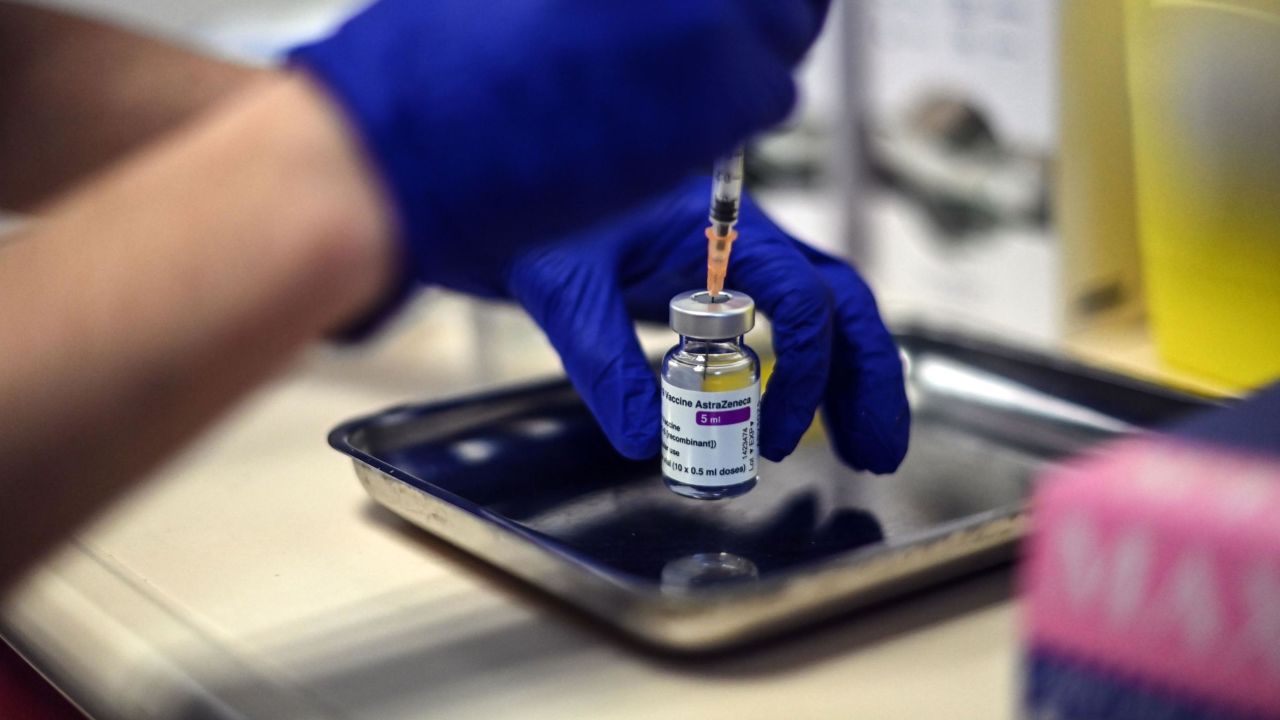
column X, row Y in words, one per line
column 710, row 438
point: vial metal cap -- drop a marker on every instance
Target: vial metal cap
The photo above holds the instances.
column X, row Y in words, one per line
column 695, row 314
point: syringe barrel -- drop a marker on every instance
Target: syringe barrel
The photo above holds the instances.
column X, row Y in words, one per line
column 726, row 191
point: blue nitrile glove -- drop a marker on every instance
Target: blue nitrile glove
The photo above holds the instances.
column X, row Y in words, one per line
column 498, row 123
column 832, row 348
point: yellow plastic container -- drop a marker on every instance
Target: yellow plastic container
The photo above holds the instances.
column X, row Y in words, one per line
column 1204, row 85
column 1095, row 207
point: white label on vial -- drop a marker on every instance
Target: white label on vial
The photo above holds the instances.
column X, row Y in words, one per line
column 710, row 438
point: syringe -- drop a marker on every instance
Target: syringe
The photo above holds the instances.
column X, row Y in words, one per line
column 726, row 199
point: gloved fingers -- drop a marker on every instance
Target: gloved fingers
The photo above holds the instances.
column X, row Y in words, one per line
column 787, row 26
column 769, row 267
column 580, row 307
column 667, row 252
column 738, row 92
column 740, row 85
column 646, row 134
column 868, row 419
column 821, row 9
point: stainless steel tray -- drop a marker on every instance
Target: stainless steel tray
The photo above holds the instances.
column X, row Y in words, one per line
column 524, row 480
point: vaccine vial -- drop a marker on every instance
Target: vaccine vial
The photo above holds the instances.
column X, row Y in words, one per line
column 711, row 397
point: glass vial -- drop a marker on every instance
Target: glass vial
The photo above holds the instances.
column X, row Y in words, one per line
column 711, row 397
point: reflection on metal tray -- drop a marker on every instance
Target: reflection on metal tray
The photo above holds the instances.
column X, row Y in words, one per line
column 525, row 480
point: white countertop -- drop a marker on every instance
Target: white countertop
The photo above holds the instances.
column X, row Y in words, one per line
column 252, row 577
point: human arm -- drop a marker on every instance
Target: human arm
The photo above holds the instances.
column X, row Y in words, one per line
column 76, row 94
column 241, row 237
column 206, row 272
column 600, row 107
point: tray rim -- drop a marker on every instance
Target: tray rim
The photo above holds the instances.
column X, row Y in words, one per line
column 663, row 618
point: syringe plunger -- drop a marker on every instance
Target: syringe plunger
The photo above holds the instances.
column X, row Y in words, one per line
column 726, row 192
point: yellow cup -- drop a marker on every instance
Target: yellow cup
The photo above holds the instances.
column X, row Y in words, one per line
column 1204, row 87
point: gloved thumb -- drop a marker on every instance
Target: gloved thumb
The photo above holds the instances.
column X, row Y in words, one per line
column 576, row 301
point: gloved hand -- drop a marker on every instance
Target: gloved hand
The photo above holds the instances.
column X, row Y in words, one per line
column 498, row 123
column 832, row 348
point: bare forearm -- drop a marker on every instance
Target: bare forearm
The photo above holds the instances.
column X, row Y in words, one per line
column 76, row 94
column 215, row 257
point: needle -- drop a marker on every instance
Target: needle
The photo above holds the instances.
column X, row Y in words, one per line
column 726, row 200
